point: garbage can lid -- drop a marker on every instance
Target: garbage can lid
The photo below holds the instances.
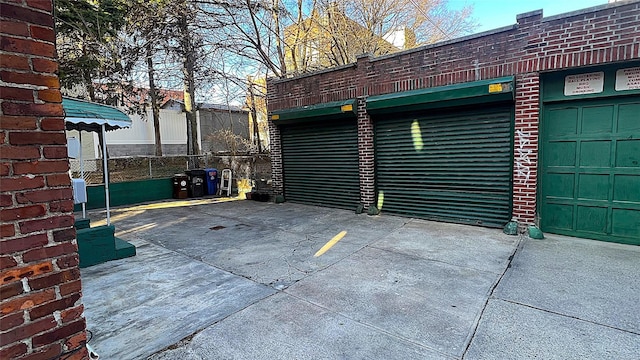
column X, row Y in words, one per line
column 196, row 172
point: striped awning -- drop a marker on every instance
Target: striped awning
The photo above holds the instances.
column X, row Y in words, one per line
column 90, row 116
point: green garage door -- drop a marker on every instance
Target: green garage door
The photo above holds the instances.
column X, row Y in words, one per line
column 590, row 184
column 320, row 163
column 452, row 166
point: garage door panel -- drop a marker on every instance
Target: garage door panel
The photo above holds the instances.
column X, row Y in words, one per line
column 626, row 188
column 625, row 224
column 452, row 166
column 593, row 186
column 597, row 119
column 558, row 216
column 443, row 176
column 328, row 142
column 320, row 163
column 628, row 153
column 561, row 185
column 321, row 172
column 390, row 135
column 628, row 117
column 591, row 219
column 595, row 153
column 451, row 181
column 561, row 153
column 446, row 211
column 442, row 162
column 320, row 160
column 415, row 187
column 562, row 121
column 461, row 148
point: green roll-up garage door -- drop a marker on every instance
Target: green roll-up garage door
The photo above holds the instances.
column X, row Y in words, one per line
column 320, row 154
column 320, row 163
column 590, row 185
column 447, row 165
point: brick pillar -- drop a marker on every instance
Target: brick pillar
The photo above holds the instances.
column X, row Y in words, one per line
column 366, row 154
column 525, row 157
column 276, row 158
column 41, row 313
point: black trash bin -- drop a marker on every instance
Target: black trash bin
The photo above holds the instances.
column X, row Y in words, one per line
column 196, row 182
column 180, row 186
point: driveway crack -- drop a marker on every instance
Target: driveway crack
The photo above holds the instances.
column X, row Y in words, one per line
column 517, row 248
column 569, row 316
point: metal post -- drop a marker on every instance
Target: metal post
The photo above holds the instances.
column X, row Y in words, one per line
column 84, row 204
column 105, row 171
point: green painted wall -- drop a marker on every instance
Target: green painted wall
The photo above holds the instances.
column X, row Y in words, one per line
column 553, row 83
column 127, row 193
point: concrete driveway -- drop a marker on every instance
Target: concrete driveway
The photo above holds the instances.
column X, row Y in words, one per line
column 220, row 279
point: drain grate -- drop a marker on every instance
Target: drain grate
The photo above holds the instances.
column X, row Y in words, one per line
column 217, row 227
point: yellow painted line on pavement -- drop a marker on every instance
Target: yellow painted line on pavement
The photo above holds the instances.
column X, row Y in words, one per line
column 330, row 244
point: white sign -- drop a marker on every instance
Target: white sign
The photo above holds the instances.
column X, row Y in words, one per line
column 581, row 84
column 628, row 79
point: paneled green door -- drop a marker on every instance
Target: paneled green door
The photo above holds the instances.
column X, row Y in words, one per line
column 320, row 163
column 590, row 181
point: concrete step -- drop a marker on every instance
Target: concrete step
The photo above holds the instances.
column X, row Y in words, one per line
column 124, row 249
column 82, row 223
column 96, row 245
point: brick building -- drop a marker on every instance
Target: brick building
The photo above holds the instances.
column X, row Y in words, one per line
column 41, row 313
column 536, row 122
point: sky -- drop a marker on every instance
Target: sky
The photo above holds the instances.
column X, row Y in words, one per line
column 493, row 14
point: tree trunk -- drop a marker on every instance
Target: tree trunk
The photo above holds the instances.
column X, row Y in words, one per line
column 155, row 107
column 254, row 118
column 279, row 49
column 188, row 69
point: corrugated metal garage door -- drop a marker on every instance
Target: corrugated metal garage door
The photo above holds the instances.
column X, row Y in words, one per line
column 590, row 181
column 320, row 162
column 449, row 166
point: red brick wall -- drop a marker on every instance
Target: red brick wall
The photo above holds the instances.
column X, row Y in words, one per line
column 599, row 35
column 525, row 147
column 276, row 159
column 366, row 156
column 41, row 312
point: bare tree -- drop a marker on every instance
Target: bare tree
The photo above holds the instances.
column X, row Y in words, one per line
column 186, row 50
column 168, row 28
column 253, row 111
column 153, row 93
column 216, row 45
column 147, row 32
column 297, row 36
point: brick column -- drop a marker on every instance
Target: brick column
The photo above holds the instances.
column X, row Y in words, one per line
column 366, row 154
column 41, row 313
column 525, row 157
column 276, row 159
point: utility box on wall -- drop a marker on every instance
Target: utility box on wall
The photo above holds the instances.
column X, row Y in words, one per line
column 79, row 191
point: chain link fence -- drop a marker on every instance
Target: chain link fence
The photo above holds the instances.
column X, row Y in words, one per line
column 254, row 168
